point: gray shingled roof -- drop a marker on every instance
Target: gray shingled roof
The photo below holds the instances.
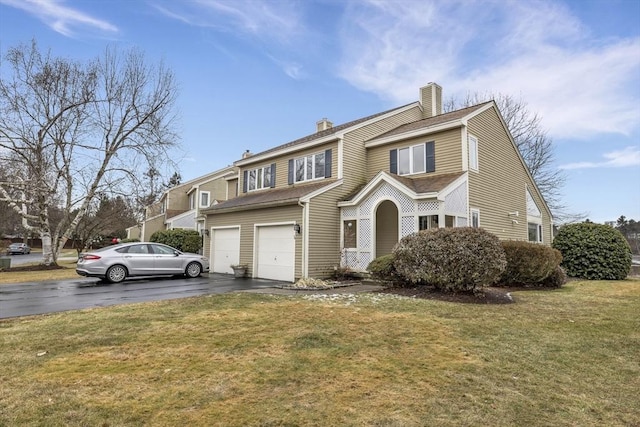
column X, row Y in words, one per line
column 278, row 196
column 327, row 132
column 422, row 185
column 431, row 121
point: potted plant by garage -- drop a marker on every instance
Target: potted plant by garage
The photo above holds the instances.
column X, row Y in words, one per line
column 239, row 270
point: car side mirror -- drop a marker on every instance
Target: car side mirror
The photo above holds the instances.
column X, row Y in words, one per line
column 176, row 253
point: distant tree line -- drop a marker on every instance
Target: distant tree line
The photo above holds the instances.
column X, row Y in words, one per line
column 630, row 229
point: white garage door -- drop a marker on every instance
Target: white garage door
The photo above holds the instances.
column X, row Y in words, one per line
column 276, row 252
column 225, row 249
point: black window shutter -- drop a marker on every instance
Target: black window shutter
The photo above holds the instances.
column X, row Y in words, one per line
column 431, row 156
column 327, row 164
column 244, row 181
column 393, row 161
column 273, row 175
column 290, row 171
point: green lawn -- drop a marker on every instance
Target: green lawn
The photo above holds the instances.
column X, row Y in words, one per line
column 568, row 357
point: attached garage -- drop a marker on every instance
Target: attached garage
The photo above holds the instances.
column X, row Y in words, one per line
column 275, row 252
column 225, row 249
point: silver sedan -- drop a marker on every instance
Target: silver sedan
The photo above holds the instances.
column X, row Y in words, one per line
column 116, row 263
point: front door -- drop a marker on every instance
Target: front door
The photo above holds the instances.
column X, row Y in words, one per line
column 386, row 228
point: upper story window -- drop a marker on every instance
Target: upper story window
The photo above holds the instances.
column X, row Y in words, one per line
column 163, row 206
column 415, row 159
column 473, row 152
column 204, row 199
column 311, row 167
column 192, row 200
column 259, row 178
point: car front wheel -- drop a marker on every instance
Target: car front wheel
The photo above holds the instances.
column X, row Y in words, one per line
column 116, row 273
column 193, row 270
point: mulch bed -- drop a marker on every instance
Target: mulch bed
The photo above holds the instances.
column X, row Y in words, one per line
column 39, row 267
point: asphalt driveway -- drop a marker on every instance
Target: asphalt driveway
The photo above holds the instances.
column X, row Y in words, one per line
column 25, row 299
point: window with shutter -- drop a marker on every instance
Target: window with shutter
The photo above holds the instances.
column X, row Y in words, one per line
column 309, row 168
column 414, row 159
column 260, row 178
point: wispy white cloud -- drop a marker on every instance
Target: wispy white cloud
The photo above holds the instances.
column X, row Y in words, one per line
column 271, row 24
column 627, row 157
column 274, row 21
column 535, row 50
column 61, row 18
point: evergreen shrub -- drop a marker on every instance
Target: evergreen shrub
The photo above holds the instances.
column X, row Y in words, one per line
column 382, row 268
column 528, row 263
column 183, row 240
column 593, row 251
column 451, row 259
column 555, row 280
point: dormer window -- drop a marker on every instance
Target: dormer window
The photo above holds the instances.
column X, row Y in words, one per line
column 414, row 159
column 311, row 167
column 259, row 178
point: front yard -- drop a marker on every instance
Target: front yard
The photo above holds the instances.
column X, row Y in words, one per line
column 562, row 357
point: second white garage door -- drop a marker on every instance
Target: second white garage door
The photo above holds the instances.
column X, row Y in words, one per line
column 275, row 252
column 225, row 249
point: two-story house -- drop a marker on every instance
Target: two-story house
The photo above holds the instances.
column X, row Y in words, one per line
column 346, row 194
column 181, row 206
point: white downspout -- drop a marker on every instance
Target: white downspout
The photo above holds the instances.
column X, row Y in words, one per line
column 305, row 237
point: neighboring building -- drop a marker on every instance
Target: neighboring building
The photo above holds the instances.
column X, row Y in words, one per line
column 134, row 232
column 346, row 194
column 181, row 206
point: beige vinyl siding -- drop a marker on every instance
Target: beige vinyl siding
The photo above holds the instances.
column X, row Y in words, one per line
column 151, row 226
column 355, row 169
column 217, row 189
column 246, row 220
column 324, row 233
column 448, row 153
column 232, row 188
column 499, row 187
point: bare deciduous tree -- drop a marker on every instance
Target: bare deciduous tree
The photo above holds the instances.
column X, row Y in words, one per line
column 535, row 146
column 70, row 131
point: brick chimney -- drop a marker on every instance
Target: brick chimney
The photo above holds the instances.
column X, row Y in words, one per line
column 431, row 100
column 323, row 124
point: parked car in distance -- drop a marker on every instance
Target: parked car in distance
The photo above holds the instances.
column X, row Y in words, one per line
column 117, row 262
column 18, row 248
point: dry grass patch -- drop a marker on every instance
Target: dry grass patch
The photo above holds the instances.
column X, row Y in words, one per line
column 566, row 357
column 30, row 273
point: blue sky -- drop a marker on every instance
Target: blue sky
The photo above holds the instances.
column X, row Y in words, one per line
column 255, row 74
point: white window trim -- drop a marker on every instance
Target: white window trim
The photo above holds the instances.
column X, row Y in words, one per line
column 259, row 171
column 424, row 160
column 202, row 193
column 313, row 162
column 474, row 211
column 192, row 201
column 539, row 231
column 474, row 161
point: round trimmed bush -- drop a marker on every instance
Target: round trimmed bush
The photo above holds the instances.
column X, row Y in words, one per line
column 528, row 263
column 593, row 251
column 451, row 259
